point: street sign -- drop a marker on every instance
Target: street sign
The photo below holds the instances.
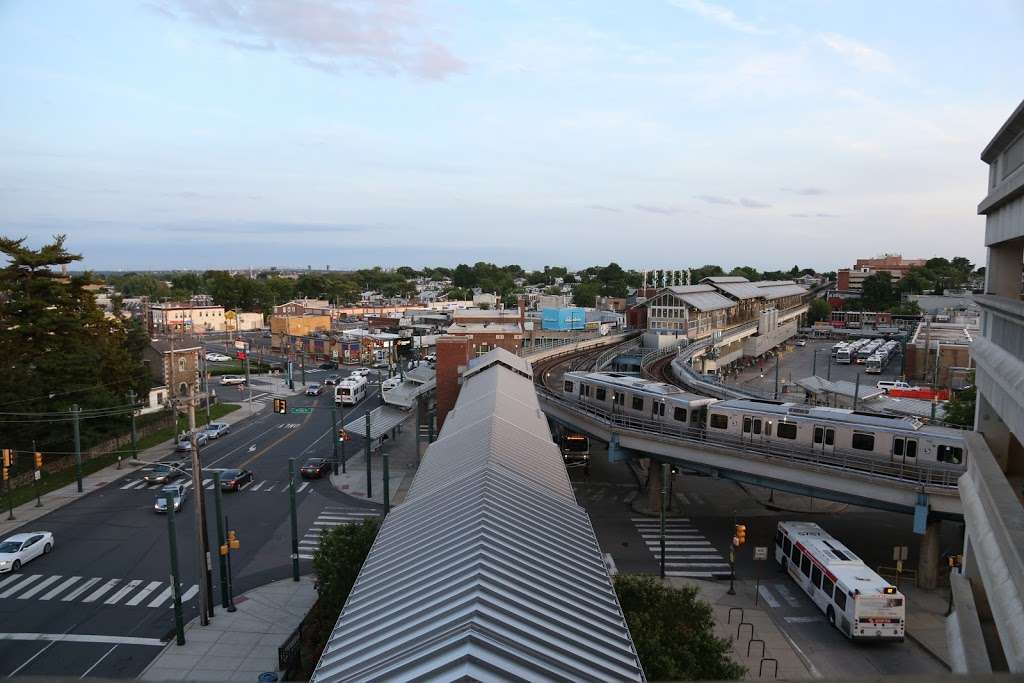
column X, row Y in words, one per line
column 760, row 552
column 899, row 552
column 241, row 344
column 300, row 411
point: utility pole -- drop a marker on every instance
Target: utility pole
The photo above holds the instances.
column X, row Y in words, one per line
column 302, row 365
column 206, row 387
column 76, row 413
column 369, row 448
column 135, row 442
column 202, row 542
column 334, row 439
column 344, row 458
column 814, row 364
column 294, row 519
column 248, row 384
column 221, row 540
column 664, row 504
column 778, row 358
column 179, row 622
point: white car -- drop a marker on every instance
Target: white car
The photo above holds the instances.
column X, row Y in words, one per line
column 886, row 385
column 801, row 342
column 217, row 358
column 178, row 493
column 232, row 379
column 215, row 429
column 22, row 548
column 360, row 372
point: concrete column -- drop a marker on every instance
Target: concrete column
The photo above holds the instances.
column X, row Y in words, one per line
column 928, row 557
column 653, row 486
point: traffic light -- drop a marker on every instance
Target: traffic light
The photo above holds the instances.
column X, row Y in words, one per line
column 740, row 537
column 8, row 458
column 6, row 473
column 39, row 460
column 955, row 560
column 343, row 436
column 280, row 406
column 233, row 541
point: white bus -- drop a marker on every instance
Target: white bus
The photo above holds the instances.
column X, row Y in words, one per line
column 845, row 356
column 856, row 600
column 350, row 390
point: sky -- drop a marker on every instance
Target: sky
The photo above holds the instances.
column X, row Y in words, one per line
column 656, row 133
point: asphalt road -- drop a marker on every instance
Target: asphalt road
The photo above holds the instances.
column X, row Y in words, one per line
column 101, row 598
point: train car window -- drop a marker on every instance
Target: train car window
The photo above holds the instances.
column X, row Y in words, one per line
column 661, row 410
column 618, row 398
column 679, row 414
column 950, row 454
column 768, row 429
column 816, row 576
column 863, row 442
column 830, row 437
column 638, row 403
column 819, row 434
column 757, row 426
column 787, row 547
column 827, row 585
column 746, row 425
column 601, row 394
column 805, row 565
column 719, row 421
column 786, row 430
column 911, row 448
column 568, row 387
column 897, row 447
column 840, row 598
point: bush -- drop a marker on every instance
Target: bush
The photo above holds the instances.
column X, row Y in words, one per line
column 674, row 632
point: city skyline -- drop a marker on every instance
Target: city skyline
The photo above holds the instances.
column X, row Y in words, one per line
column 176, row 134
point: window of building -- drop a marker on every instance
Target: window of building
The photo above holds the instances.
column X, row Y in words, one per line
column 786, row 430
column 719, row 421
column 638, row 403
column 679, row 414
column 950, row 454
column 863, row 442
column 181, row 364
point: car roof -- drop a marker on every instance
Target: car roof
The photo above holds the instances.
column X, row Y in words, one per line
column 316, row 459
column 23, row 536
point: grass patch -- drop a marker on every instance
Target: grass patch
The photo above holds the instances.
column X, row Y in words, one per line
column 53, row 481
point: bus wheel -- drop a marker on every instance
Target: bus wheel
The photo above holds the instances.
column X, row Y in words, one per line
column 831, row 615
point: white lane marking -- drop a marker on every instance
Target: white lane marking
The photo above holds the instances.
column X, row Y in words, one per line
column 240, row 446
column 101, row 591
column 257, row 486
column 29, row 660
column 82, row 638
column 686, row 556
column 246, row 485
column 81, row 589
column 129, row 485
column 97, row 663
column 38, row 587
column 302, row 487
column 25, row 580
column 187, row 484
column 654, row 544
column 693, row 575
column 269, row 488
column 315, row 544
column 305, row 557
column 190, row 593
column 143, row 594
column 207, row 481
column 650, row 520
column 682, row 497
column 61, row 588
column 791, row 599
column 125, row 590
column 802, row 620
column 160, row 599
column 767, row 596
column 141, row 485
column 707, row 565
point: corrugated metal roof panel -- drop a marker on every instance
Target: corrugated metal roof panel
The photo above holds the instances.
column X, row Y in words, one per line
column 499, row 355
column 776, row 289
column 707, row 301
column 382, row 421
column 740, row 290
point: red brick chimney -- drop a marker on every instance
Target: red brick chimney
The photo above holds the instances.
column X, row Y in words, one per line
column 453, row 353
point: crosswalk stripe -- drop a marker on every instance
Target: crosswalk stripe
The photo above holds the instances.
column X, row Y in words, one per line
column 125, row 590
column 25, row 580
column 693, row 575
column 89, row 583
column 143, row 594
column 707, row 565
column 190, row 593
column 160, row 599
column 187, row 484
column 651, row 520
column 315, row 544
column 671, row 534
column 141, row 485
column 130, row 485
column 10, row 579
column 655, row 544
column 767, row 596
column 257, row 486
column 247, row 485
column 305, row 557
column 268, row 489
column 101, row 591
column 207, row 482
column 302, row 487
column 38, row 587
column 342, row 515
column 671, row 556
column 61, row 588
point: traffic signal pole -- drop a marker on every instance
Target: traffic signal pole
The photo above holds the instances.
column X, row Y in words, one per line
column 294, row 520
column 334, row 441
column 664, row 501
column 179, row 621
column 221, row 543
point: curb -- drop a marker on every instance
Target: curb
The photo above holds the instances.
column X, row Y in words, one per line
column 931, row 653
column 779, row 508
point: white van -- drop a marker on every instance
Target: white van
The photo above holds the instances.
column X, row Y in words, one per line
column 350, row 390
column 886, row 385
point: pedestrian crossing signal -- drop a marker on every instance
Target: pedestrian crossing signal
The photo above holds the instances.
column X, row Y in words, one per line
column 39, row 460
column 8, row 458
column 233, row 541
column 280, row 406
column 741, row 535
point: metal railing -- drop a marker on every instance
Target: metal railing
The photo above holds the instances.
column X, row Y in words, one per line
column 938, row 477
column 611, row 354
column 548, row 344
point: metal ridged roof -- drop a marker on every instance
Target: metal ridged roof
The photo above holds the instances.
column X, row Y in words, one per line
column 489, row 570
column 499, row 355
column 739, row 287
column 702, row 297
column 776, row 289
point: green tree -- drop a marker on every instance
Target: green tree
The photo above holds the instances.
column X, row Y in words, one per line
column 673, row 632
column 960, row 409
column 585, row 294
column 878, row 293
column 819, row 310
column 698, row 274
column 748, row 272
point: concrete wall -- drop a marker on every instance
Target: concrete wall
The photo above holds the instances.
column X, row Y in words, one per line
column 762, row 343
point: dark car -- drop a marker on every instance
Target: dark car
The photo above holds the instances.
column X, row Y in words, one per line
column 163, row 473
column 315, row 468
column 234, row 480
column 329, row 365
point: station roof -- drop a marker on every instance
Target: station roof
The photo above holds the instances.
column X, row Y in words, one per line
column 736, row 286
column 382, row 420
column 499, row 356
column 776, row 289
column 701, row 297
column 820, row 385
column 489, row 570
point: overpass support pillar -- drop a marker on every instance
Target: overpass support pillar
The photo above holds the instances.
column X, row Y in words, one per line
column 654, row 480
column 928, row 557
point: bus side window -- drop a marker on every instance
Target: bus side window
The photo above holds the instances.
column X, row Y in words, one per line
column 816, row 576
column 805, row 565
column 795, row 555
column 827, row 585
column 787, row 547
column 840, row 598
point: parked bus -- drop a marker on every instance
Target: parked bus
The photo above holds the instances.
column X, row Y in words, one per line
column 856, row 600
column 844, row 356
column 575, row 449
column 350, row 390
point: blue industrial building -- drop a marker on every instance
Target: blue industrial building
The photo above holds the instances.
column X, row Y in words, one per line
column 564, row 319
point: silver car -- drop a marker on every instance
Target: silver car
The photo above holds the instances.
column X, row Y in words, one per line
column 178, row 493
column 185, row 443
column 215, row 429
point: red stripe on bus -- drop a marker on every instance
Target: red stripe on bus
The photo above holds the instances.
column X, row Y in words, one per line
column 824, row 571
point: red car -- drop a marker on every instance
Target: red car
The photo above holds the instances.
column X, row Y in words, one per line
column 315, row 468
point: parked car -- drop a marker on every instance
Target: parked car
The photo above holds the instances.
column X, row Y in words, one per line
column 232, row 379
column 380, row 364
column 178, row 493
column 360, row 372
column 332, row 380
column 185, row 442
column 22, row 548
column 801, row 342
column 886, row 385
column 163, row 473
column 233, row 480
column 314, row 389
column 315, row 468
column 329, row 365
column 217, row 358
column 215, row 429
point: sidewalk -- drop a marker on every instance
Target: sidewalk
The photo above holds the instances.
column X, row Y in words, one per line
column 402, row 466
column 926, row 619
column 792, row 664
column 237, row 646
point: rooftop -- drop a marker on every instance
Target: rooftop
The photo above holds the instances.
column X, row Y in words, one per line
column 934, row 334
column 488, row 328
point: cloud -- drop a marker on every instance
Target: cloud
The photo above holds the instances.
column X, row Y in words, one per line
column 660, row 210
column 188, row 194
column 799, row 215
column 290, row 230
column 858, row 53
column 600, row 207
column 826, row 215
column 723, row 16
column 378, row 36
column 715, row 199
column 806, row 191
column 817, row 215
column 753, row 203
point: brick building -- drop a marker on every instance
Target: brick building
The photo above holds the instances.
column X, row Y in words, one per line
column 184, row 317
column 178, row 369
column 459, row 347
column 852, row 279
column 937, row 351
